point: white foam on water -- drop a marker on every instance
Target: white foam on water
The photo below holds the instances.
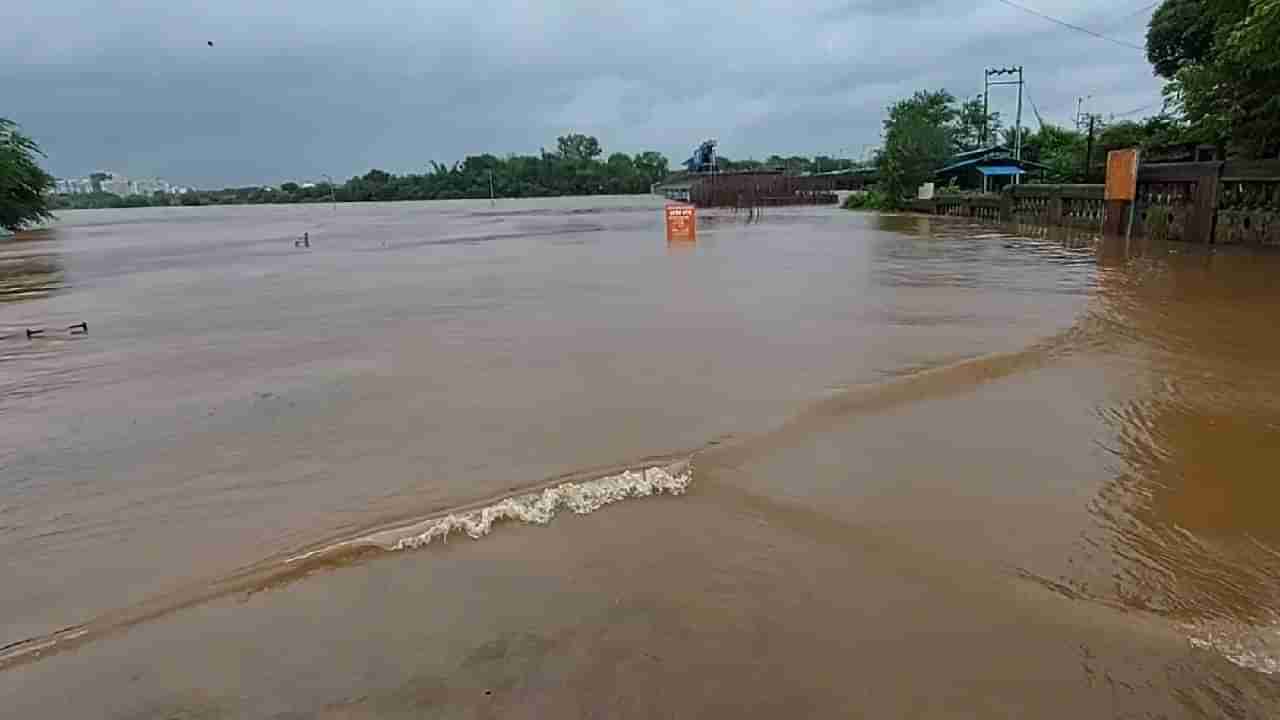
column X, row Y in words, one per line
column 1256, row 649
column 535, row 508
column 541, row 507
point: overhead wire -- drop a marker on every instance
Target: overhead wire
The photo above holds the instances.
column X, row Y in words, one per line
column 1078, row 28
column 1035, row 109
column 1137, row 110
column 1137, row 12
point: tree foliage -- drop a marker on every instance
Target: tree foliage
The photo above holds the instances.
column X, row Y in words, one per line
column 1181, row 33
column 23, row 183
column 578, row 147
column 919, row 135
column 1223, row 58
column 974, row 127
column 1059, row 148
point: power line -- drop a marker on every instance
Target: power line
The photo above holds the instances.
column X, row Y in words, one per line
column 1137, row 110
column 1035, row 109
column 1066, row 24
column 1137, row 12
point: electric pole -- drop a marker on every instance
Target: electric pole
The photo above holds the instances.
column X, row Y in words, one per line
column 1017, row 126
column 986, row 112
column 1081, row 116
column 1088, row 153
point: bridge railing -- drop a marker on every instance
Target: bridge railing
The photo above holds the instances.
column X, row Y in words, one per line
column 1219, row 202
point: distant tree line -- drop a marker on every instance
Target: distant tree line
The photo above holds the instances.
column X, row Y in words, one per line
column 574, row 168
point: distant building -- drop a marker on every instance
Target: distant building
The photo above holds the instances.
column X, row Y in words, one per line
column 73, row 186
column 676, row 189
column 116, row 185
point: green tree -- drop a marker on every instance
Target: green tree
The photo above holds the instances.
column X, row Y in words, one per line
column 377, row 177
column 918, row 139
column 1181, row 33
column 1009, row 137
column 135, row 201
column 652, row 165
column 576, row 146
column 972, row 123
column 1223, row 59
column 24, row 185
column 1062, row 150
column 289, row 187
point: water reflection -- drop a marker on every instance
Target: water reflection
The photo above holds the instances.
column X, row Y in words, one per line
column 30, row 267
column 1186, row 525
column 1190, row 516
column 962, row 253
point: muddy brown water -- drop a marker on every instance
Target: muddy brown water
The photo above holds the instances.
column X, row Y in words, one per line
column 941, row 469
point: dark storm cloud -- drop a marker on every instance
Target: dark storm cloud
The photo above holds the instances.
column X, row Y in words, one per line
column 293, row 90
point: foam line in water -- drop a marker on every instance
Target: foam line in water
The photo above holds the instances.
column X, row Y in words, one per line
column 1256, row 649
column 535, row 508
column 539, row 508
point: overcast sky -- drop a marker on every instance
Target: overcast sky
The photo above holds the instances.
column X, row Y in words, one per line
column 291, row 90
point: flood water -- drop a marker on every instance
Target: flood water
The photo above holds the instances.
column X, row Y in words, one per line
column 940, row 468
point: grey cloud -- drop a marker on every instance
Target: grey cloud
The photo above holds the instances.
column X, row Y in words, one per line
column 292, row 90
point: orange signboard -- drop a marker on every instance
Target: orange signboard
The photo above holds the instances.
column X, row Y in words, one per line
column 682, row 223
column 1122, row 175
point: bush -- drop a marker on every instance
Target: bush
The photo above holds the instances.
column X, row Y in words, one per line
column 867, row 200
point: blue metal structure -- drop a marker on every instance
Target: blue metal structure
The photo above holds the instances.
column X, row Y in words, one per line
column 704, row 158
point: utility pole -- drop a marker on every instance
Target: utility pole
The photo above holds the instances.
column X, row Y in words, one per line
column 986, row 112
column 1017, row 127
column 1017, row 124
column 1088, row 153
column 491, row 200
column 1081, row 117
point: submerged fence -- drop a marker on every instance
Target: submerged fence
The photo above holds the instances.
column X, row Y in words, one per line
column 1233, row 202
column 750, row 190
